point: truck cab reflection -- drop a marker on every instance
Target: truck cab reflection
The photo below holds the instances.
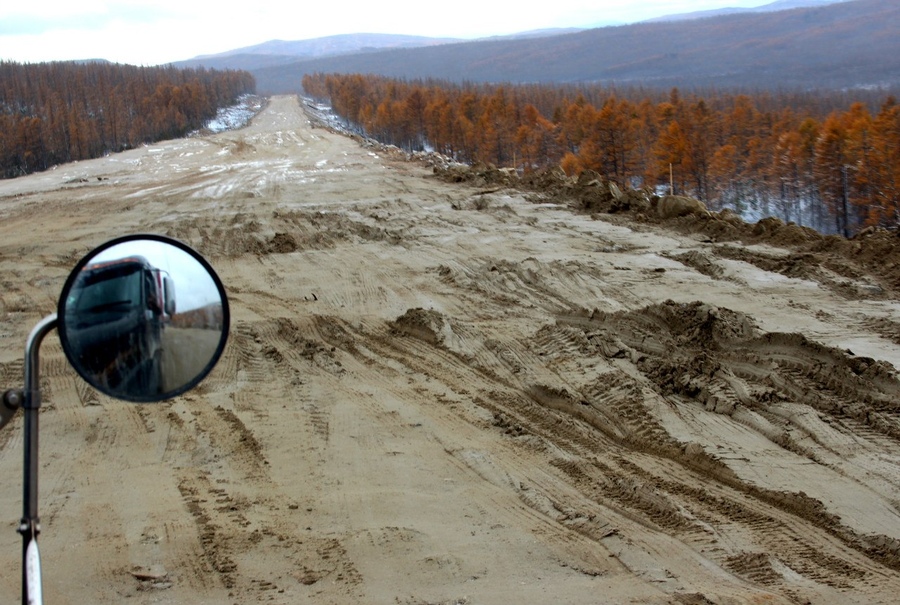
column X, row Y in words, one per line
column 117, row 313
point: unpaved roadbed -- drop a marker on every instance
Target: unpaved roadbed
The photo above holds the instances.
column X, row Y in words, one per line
column 435, row 393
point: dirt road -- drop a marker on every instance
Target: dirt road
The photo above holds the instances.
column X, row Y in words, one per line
column 437, row 394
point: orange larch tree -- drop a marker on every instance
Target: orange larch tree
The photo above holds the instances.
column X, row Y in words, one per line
column 767, row 152
column 885, row 209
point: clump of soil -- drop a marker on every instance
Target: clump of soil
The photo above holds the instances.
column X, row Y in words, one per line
column 700, row 262
column 478, row 175
column 424, row 324
column 282, row 243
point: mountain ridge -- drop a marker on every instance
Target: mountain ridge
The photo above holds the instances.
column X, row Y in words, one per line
column 778, row 5
column 330, row 45
column 847, row 44
column 364, row 41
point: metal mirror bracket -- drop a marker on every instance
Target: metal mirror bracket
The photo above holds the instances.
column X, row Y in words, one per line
column 29, row 399
column 30, row 525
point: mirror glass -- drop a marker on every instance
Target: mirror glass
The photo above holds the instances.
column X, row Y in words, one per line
column 143, row 318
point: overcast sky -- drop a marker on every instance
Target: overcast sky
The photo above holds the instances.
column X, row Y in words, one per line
column 152, row 32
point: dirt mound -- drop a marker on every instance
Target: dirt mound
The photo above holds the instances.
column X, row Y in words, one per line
column 282, row 243
column 594, row 194
column 479, row 175
column 427, row 325
column 701, row 262
column 719, row 359
column 873, row 251
column 675, row 206
column 424, row 324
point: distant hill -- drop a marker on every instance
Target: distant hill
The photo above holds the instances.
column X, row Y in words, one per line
column 280, row 52
column 537, row 33
column 778, row 5
column 849, row 44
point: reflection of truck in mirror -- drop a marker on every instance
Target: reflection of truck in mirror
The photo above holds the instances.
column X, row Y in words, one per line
column 116, row 313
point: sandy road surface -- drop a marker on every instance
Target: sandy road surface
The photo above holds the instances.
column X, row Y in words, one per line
column 434, row 394
column 185, row 354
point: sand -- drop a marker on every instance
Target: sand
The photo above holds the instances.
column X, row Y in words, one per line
column 445, row 394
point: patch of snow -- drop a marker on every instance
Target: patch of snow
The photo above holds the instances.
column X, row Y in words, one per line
column 235, row 116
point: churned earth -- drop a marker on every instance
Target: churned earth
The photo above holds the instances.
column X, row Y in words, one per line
column 444, row 393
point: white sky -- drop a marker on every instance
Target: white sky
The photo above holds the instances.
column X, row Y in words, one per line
column 194, row 288
column 151, row 32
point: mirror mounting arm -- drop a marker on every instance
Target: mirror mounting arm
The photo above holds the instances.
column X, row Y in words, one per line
column 31, row 402
column 32, row 359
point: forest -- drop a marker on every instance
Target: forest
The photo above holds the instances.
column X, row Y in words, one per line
column 826, row 160
column 52, row 113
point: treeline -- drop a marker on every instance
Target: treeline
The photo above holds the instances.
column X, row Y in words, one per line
column 52, row 113
column 822, row 159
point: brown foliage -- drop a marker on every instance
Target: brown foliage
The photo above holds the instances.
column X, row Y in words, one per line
column 779, row 153
column 52, row 113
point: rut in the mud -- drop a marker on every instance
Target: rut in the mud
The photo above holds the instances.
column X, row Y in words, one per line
column 715, row 361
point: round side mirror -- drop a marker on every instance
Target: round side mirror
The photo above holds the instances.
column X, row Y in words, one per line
column 143, row 318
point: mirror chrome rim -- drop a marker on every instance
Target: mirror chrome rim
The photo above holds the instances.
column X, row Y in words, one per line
column 69, row 349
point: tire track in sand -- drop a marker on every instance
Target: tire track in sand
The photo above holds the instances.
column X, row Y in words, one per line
column 776, row 523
